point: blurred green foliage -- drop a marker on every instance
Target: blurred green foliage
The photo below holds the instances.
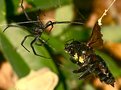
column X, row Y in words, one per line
column 22, row 61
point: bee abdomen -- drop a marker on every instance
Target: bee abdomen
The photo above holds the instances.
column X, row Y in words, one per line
column 104, row 73
column 107, row 78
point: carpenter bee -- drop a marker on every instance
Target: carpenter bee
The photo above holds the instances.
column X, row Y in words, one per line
column 82, row 53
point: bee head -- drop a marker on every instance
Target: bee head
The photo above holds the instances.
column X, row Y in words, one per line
column 75, row 47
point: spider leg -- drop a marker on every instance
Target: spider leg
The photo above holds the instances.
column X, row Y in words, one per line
column 42, row 42
column 22, row 43
column 31, row 44
column 10, row 26
column 6, row 28
column 24, row 11
column 49, row 23
column 67, row 22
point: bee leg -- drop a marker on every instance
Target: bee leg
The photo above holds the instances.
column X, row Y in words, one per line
column 88, row 70
column 80, row 70
column 84, row 74
column 83, row 67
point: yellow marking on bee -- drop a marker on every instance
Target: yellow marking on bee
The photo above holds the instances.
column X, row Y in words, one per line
column 81, row 59
column 66, row 51
column 76, row 56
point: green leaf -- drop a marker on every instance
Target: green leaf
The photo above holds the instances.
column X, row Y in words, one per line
column 76, row 33
column 14, row 58
column 68, row 16
column 2, row 11
column 9, row 51
column 47, row 4
column 37, row 4
column 22, row 60
column 16, row 35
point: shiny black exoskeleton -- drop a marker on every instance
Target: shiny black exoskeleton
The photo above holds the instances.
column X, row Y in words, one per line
column 84, row 56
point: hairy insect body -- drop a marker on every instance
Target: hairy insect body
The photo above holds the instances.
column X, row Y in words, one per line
column 79, row 59
column 78, row 50
column 88, row 62
column 103, row 72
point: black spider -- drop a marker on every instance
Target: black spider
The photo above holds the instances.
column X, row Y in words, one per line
column 37, row 31
column 82, row 54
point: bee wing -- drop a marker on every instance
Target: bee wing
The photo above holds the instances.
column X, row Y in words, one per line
column 96, row 40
